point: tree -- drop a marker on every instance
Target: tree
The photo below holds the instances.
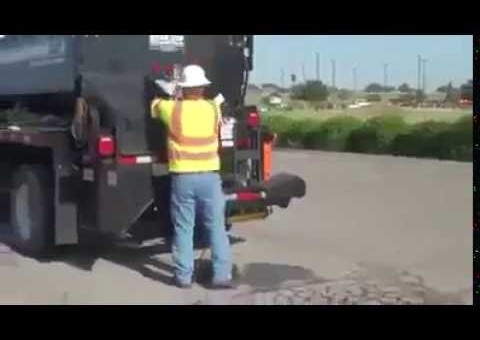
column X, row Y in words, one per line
column 332, row 89
column 466, row 90
column 420, row 96
column 405, row 88
column 313, row 91
column 374, row 88
column 452, row 93
column 265, row 101
column 388, row 89
column 442, row 89
column 374, row 98
column 407, row 98
column 344, row 94
column 298, row 92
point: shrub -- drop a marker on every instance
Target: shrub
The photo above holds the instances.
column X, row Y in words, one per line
column 419, row 141
column 297, row 131
column 385, row 134
column 438, row 140
column 374, row 98
column 279, row 125
column 456, row 142
column 289, row 130
column 332, row 134
column 376, row 134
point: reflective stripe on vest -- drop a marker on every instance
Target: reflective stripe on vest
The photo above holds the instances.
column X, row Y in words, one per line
column 176, row 129
column 178, row 155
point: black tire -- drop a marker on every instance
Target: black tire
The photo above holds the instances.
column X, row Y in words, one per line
column 31, row 207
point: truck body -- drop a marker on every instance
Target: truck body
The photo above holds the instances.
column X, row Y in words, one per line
column 79, row 149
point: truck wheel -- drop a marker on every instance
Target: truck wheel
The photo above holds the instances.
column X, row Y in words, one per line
column 32, row 209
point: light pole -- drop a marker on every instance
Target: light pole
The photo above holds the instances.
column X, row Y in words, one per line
column 355, row 79
column 424, row 64
column 419, row 73
column 334, row 73
column 385, row 75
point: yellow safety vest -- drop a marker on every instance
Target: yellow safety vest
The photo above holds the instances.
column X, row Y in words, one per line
column 193, row 128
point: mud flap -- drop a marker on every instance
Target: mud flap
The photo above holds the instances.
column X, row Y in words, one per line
column 282, row 188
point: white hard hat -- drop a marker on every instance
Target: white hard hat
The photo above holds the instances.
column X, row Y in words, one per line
column 194, row 76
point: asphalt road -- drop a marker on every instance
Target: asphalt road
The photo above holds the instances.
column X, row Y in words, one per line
column 371, row 229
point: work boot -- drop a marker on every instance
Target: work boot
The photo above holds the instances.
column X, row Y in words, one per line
column 182, row 284
column 222, row 285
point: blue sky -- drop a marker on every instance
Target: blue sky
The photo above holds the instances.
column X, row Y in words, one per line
column 450, row 58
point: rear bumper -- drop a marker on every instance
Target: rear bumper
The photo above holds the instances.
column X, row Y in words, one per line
column 277, row 192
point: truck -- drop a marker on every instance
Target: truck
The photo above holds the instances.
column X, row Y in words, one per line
column 80, row 154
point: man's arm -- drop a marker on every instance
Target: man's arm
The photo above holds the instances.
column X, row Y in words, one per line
column 155, row 108
column 160, row 106
column 219, row 101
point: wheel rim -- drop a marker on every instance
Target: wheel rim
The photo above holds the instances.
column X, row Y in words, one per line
column 22, row 212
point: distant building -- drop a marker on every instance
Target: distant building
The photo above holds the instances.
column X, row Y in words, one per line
column 254, row 95
column 275, row 100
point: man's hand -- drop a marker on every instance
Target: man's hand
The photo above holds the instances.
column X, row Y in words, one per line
column 219, row 100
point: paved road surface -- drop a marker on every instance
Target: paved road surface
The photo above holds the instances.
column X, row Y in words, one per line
column 372, row 226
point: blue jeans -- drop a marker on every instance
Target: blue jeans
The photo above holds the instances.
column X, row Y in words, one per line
column 202, row 193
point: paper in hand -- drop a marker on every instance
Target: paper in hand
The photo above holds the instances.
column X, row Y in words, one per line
column 219, row 100
column 167, row 87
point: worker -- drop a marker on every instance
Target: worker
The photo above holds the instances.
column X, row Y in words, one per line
column 193, row 124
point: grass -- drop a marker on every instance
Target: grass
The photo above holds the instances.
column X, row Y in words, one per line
column 410, row 115
column 380, row 134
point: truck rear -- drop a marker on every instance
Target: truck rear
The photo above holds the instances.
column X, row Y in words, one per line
column 87, row 156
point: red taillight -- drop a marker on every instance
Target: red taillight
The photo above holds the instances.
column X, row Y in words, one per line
column 127, row 160
column 249, row 197
column 135, row 160
column 246, row 197
column 106, row 146
column 253, row 119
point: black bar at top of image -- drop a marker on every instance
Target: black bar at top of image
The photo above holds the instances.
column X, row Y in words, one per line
column 476, row 184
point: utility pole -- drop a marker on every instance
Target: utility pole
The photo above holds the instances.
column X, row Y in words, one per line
column 318, row 66
column 355, row 79
column 385, row 75
column 419, row 73
column 424, row 65
column 304, row 73
column 334, row 73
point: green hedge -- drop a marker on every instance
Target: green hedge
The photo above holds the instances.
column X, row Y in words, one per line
column 388, row 134
column 332, row 135
column 376, row 135
column 437, row 140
